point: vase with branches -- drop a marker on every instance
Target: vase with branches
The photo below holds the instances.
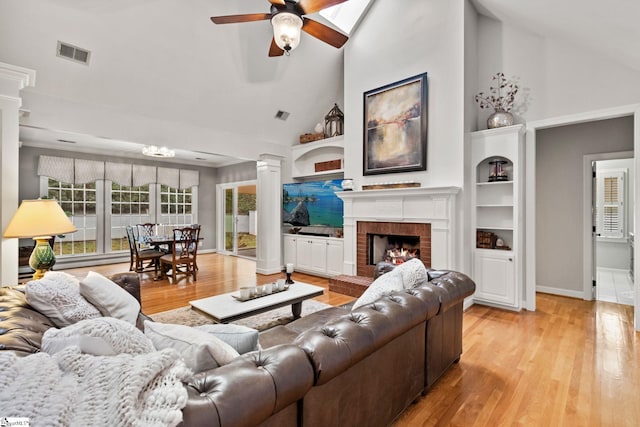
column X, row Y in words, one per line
column 501, row 96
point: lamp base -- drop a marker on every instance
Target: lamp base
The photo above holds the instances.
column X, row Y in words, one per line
column 289, row 281
column 42, row 258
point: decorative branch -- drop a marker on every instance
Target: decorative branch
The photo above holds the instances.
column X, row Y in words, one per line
column 501, row 96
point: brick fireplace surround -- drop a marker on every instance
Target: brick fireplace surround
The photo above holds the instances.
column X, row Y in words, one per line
column 435, row 206
column 364, row 228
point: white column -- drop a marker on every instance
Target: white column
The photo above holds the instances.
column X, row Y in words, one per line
column 12, row 80
column 269, row 201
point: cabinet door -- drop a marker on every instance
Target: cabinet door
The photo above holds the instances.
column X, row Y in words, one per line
column 495, row 278
column 290, row 250
column 335, row 258
column 318, row 255
column 303, row 259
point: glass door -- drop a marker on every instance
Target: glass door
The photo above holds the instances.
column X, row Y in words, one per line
column 240, row 219
column 230, row 241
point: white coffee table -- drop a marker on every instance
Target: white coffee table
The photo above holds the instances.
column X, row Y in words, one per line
column 225, row 308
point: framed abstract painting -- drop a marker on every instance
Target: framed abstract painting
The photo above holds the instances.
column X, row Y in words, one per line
column 395, row 127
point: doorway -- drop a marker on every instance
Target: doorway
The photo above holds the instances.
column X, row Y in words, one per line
column 239, row 215
column 612, row 210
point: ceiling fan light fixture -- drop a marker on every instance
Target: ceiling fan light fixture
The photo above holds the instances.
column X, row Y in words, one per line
column 155, row 151
column 286, row 30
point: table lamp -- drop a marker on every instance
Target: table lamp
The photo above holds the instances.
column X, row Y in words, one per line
column 39, row 219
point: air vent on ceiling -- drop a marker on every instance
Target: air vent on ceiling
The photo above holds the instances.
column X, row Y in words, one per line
column 74, row 53
column 282, row 115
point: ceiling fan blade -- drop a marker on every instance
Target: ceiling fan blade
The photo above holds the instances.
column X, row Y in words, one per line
column 274, row 50
column 324, row 33
column 306, row 7
column 277, row 2
column 232, row 19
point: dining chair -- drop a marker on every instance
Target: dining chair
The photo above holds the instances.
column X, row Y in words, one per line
column 194, row 248
column 139, row 255
column 183, row 254
column 145, row 231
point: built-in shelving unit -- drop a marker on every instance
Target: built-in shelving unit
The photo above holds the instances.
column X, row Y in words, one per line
column 496, row 195
column 305, row 156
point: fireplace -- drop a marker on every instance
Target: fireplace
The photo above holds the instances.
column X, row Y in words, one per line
column 392, row 249
column 432, row 207
column 391, row 241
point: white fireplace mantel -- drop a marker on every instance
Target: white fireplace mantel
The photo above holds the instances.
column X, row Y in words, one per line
column 434, row 205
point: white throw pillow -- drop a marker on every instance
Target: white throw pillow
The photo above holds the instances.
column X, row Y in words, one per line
column 383, row 285
column 109, row 298
column 413, row 273
column 104, row 336
column 200, row 350
column 242, row 338
column 57, row 296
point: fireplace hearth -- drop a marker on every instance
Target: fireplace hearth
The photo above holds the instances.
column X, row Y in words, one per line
column 394, row 242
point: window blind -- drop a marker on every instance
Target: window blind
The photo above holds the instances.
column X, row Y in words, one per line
column 82, row 171
column 609, row 209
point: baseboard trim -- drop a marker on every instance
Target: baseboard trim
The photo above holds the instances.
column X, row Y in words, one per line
column 468, row 302
column 561, row 292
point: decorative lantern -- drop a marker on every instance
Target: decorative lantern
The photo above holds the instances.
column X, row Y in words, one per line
column 334, row 122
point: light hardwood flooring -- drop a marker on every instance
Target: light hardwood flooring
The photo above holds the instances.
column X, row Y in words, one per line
column 217, row 274
column 570, row 363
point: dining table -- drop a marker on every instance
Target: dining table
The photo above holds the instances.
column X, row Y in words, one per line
column 157, row 241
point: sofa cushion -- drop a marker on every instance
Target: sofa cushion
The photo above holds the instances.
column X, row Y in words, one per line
column 242, row 338
column 383, row 285
column 199, row 349
column 57, row 296
column 413, row 273
column 109, row 298
column 104, row 336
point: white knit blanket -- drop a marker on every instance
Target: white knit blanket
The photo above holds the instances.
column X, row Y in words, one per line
column 74, row 389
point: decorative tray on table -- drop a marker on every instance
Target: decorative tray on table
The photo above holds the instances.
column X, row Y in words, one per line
column 260, row 295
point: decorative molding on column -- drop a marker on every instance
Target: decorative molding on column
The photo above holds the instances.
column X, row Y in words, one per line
column 24, row 76
column 12, row 80
column 269, row 198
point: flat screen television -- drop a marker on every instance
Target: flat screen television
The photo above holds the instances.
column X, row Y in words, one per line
column 314, row 202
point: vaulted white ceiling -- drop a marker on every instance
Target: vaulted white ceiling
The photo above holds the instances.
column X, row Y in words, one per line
column 607, row 27
column 161, row 72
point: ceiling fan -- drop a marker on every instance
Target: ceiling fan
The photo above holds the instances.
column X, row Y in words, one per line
column 287, row 18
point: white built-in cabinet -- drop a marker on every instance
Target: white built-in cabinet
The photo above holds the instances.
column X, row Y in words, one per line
column 321, row 256
column 317, row 255
column 497, row 197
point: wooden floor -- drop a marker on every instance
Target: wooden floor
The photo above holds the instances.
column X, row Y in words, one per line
column 570, row 363
column 217, row 274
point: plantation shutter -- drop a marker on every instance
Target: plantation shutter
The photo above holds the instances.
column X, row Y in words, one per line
column 609, row 211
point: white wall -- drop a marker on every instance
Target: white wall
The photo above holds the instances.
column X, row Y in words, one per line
column 616, row 254
column 559, row 204
column 556, row 77
column 397, row 40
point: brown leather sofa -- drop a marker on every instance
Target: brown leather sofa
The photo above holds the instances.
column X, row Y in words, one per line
column 333, row 367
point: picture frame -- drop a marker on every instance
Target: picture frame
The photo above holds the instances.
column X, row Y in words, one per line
column 395, row 127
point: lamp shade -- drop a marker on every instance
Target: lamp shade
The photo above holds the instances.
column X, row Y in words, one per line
column 286, row 30
column 36, row 218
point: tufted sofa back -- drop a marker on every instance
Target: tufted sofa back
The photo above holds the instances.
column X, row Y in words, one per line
column 22, row 327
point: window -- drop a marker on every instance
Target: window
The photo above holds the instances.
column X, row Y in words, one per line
column 609, row 208
column 176, row 205
column 79, row 203
column 129, row 206
column 103, row 230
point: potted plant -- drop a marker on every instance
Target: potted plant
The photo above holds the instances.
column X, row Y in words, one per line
column 502, row 93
